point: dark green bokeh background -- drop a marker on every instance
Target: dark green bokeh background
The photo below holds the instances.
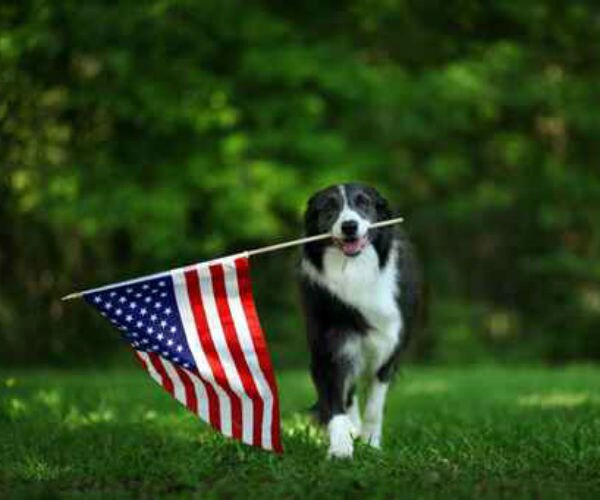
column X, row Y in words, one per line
column 138, row 136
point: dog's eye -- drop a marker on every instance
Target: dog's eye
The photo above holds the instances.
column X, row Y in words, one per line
column 330, row 204
column 362, row 201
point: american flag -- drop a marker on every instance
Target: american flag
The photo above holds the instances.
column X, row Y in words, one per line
column 196, row 332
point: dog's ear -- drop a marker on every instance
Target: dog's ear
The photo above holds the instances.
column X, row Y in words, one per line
column 310, row 211
column 317, row 201
column 311, row 207
column 381, row 205
column 312, row 201
column 320, row 198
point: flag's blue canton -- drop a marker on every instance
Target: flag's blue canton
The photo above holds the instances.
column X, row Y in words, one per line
column 147, row 314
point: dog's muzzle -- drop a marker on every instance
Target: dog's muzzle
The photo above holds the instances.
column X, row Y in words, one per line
column 352, row 246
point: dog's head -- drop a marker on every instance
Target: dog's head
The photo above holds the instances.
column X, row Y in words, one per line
column 347, row 212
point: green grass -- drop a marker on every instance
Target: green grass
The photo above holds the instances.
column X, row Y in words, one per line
column 487, row 432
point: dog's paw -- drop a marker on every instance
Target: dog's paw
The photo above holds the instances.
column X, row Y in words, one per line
column 371, row 434
column 341, row 437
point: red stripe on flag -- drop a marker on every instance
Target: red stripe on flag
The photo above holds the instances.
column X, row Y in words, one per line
column 233, row 342
column 260, row 346
column 214, row 413
column 190, row 392
column 214, row 408
column 140, row 359
column 167, row 383
column 208, row 346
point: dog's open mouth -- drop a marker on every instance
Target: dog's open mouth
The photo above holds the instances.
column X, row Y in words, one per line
column 352, row 246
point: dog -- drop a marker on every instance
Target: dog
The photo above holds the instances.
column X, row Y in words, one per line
column 361, row 294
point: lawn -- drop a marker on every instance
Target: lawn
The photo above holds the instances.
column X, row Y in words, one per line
column 477, row 432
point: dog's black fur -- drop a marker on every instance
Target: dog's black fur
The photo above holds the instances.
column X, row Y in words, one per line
column 329, row 320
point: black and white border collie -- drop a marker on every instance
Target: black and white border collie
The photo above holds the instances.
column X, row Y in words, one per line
column 361, row 294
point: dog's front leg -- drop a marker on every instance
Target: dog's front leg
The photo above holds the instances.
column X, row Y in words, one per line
column 341, row 436
column 373, row 416
column 386, row 353
column 331, row 377
column 341, row 430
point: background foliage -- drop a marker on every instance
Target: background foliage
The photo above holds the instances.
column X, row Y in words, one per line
column 137, row 136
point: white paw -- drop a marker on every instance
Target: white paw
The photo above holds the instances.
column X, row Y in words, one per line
column 341, row 437
column 371, row 434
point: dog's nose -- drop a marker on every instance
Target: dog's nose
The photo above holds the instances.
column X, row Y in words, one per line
column 349, row 227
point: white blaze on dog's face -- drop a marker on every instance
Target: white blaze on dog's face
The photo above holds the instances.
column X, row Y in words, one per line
column 350, row 230
column 347, row 212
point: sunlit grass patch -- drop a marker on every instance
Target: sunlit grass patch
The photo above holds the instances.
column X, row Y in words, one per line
column 557, row 399
column 304, row 428
column 10, row 382
column 37, row 469
column 425, row 387
column 76, row 418
column 51, row 399
column 16, row 407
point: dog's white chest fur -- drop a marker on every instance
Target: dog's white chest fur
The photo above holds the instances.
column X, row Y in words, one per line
column 359, row 282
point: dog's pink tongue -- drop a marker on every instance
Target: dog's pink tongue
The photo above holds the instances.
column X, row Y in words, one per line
column 352, row 247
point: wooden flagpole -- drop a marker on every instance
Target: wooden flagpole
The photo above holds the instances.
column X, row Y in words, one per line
column 249, row 253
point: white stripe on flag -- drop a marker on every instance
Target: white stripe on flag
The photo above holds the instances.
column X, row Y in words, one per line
column 178, row 387
column 150, row 367
column 202, row 364
column 241, row 326
column 218, row 335
column 201, row 395
column 178, row 384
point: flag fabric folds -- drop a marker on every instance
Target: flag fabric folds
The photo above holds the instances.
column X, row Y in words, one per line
column 196, row 332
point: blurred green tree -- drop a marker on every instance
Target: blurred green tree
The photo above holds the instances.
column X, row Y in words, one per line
column 136, row 136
